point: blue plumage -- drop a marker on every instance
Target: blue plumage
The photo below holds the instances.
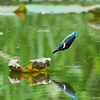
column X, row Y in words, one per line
column 66, row 88
column 66, row 43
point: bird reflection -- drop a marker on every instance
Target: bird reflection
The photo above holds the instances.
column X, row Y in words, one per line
column 42, row 77
column 66, row 43
column 33, row 78
column 66, row 88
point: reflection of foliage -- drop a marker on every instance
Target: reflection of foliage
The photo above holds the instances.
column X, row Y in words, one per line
column 21, row 12
column 33, row 78
column 93, row 84
column 95, row 22
column 95, row 11
column 21, row 15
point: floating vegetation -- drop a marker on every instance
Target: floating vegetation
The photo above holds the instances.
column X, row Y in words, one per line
column 34, row 72
column 21, row 8
column 34, row 66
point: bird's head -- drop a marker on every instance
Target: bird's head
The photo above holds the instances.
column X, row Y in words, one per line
column 75, row 32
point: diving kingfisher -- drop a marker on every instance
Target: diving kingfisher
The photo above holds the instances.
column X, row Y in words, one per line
column 66, row 43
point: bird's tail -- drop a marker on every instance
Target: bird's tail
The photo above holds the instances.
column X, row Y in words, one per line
column 54, row 51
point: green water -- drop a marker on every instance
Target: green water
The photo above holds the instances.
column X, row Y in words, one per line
column 37, row 36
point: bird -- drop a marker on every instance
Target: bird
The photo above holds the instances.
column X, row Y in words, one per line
column 66, row 88
column 66, row 43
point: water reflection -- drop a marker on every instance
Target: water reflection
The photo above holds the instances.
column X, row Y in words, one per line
column 27, row 42
column 42, row 77
column 21, row 15
column 95, row 21
column 66, row 88
column 33, row 78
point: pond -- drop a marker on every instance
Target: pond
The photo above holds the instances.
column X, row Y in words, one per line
column 31, row 36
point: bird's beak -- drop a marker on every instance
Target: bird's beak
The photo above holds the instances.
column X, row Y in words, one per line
column 54, row 51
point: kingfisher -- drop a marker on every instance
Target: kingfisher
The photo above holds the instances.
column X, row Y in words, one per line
column 66, row 43
column 66, row 88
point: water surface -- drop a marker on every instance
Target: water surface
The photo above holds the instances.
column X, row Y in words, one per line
column 36, row 36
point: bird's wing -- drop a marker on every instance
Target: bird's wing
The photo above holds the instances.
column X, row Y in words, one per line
column 64, row 42
column 60, row 46
column 69, row 40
